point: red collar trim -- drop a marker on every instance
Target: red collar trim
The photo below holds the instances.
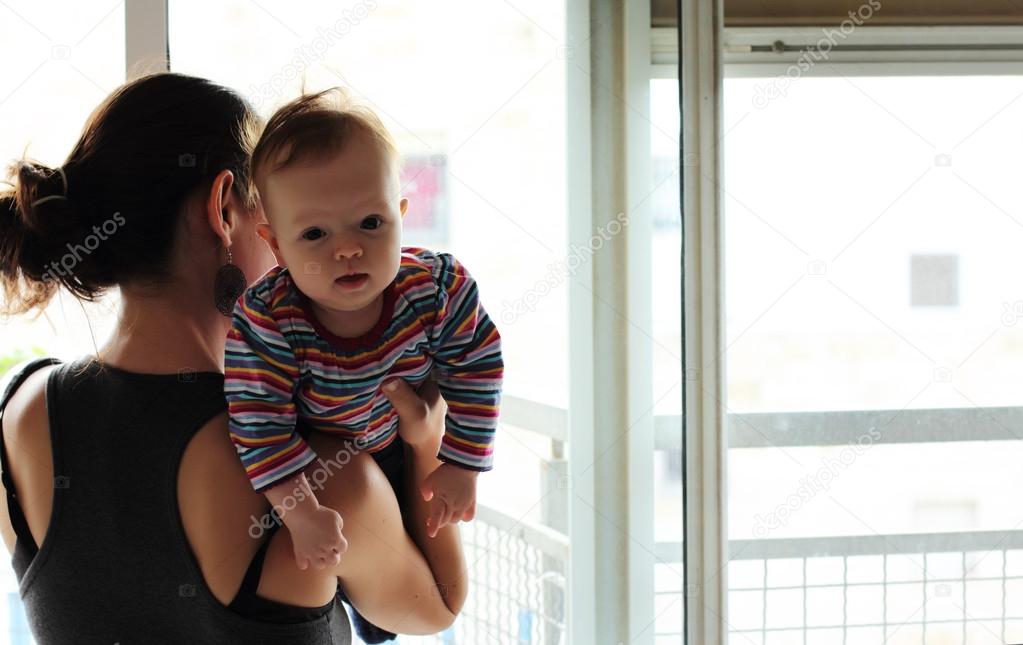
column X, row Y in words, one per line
column 368, row 339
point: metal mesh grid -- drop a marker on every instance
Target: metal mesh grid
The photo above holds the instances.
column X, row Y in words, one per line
column 516, row 594
column 969, row 597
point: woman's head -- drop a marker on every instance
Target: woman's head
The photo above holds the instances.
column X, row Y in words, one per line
column 112, row 214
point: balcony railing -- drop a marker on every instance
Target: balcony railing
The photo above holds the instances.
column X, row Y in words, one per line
column 906, row 588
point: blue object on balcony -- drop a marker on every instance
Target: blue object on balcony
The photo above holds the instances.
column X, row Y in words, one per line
column 17, row 626
column 526, row 617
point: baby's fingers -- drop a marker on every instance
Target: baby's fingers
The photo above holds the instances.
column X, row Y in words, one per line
column 330, row 558
column 341, row 546
column 470, row 512
column 449, row 516
column 437, row 511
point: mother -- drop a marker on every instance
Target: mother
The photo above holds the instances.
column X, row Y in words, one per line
column 119, row 466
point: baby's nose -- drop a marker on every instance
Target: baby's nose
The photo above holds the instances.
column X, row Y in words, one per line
column 347, row 250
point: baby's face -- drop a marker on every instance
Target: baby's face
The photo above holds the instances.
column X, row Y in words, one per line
column 336, row 224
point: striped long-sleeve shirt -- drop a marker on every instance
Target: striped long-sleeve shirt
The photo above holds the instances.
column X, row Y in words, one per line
column 283, row 365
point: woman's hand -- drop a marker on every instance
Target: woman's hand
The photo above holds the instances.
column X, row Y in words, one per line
column 449, row 490
column 421, row 426
column 420, row 415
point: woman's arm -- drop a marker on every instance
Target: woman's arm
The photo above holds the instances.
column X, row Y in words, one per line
column 424, row 415
column 405, row 584
column 434, row 579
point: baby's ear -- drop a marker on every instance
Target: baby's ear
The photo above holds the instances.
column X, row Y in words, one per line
column 403, row 205
column 264, row 231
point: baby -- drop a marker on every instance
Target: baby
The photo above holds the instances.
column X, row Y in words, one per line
column 347, row 310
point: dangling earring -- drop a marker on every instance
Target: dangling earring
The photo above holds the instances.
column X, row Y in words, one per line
column 228, row 286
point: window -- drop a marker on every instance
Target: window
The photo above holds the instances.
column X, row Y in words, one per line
column 668, row 372
column 871, row 453
column 66, row 63
column 58, row 66
column 474, row 94
column 477, row 113
column 934, row 280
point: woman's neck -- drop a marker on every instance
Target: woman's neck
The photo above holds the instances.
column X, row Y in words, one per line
column 165, row 334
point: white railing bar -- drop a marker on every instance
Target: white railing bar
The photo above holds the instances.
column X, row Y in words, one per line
column 546, row 540
column 941, row 621
column 818, row 547
column 533, row 416
column 875, row 583
column 839, row 428
column 794, row 429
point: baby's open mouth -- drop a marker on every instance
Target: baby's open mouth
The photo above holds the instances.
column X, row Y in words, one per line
column 352, row 278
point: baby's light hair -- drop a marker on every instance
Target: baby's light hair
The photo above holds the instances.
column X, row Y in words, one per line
column 315, row 126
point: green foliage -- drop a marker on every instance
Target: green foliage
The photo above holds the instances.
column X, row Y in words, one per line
column 19, row 355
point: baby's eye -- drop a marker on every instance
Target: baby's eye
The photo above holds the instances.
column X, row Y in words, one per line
column 372, row 222
column 313, row 234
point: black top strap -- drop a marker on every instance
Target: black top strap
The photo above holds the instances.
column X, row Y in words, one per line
column 251, row 605
column 250, row 583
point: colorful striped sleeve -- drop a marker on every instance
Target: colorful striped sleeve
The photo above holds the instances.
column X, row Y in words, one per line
column 467, row 353
column 260, row 375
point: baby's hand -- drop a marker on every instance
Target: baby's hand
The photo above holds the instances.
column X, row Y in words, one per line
column 317, row 538
column 451, row 492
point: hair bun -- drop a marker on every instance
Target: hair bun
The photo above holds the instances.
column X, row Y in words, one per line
column 44, row 203
column 19, row 294
column 47, row 238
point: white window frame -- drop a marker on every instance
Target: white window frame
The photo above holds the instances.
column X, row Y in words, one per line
column 602, row 410
column 946, row 51
column 877, row 51
column 611, row 426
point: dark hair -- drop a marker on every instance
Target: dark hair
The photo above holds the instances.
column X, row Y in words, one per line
column 114, row 206
column 315, row 126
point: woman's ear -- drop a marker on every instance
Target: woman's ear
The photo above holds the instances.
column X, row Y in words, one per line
column 403, row 205
column 219, row 207
column 264, row 231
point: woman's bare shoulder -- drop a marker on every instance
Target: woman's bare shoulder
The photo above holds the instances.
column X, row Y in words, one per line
column 219, row 508
column 26, row 432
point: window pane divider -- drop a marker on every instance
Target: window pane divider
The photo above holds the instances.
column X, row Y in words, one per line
column 145, row 38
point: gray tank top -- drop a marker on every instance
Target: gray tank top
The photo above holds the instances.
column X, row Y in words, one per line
column 115, row 566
